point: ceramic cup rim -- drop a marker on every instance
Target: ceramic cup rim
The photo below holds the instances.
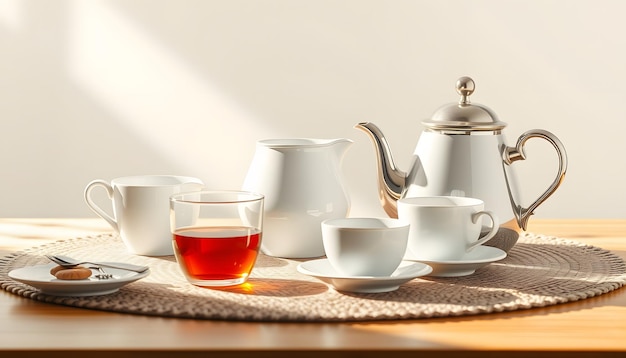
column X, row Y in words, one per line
column 440, row 201
column 158, row 180
column 386, row 224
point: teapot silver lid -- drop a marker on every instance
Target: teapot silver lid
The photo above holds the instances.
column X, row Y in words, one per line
column 464, row 116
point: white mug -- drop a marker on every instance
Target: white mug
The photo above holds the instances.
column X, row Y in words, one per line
column 444, row 228
column 141, row 209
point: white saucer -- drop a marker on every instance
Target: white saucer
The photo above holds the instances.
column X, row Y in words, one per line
column 322, row 270
column 40, row 278
column 467, row 265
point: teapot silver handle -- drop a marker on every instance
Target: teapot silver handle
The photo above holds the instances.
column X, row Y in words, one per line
column 513, row 154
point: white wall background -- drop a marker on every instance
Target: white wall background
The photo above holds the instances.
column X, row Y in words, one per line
column 101, row 89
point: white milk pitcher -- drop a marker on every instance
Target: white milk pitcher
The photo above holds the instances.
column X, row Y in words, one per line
column 302, row 182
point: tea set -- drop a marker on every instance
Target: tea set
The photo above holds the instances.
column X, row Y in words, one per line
column 455, row 210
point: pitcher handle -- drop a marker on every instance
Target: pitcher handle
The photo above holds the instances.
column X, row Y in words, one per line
column 512, row 154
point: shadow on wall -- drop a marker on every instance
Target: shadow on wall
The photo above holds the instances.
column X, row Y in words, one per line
column 94, row 95
column 102, row 89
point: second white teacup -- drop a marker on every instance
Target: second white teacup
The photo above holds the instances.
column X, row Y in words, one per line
column 141, row 209
column 365, row 246
column 445, row 228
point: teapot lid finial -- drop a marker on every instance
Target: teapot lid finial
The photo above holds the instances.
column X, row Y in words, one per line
column 465, row 87
column 464, row 117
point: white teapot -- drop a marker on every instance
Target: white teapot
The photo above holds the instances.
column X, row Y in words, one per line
column 462, row 152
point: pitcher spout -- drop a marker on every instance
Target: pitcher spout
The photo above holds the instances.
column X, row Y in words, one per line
column 340, row 146
column 391, row 180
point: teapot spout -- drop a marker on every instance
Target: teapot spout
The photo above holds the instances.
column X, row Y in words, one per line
column 391, row 180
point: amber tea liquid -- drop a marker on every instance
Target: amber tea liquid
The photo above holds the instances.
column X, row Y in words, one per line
column 217, row 254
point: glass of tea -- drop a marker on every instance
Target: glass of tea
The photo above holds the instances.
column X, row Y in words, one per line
column 216, row 235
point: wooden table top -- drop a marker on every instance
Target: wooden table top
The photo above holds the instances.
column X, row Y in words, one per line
column 591, row 327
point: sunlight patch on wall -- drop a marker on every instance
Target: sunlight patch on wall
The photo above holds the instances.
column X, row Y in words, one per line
column 10, row 14
column 152, row 91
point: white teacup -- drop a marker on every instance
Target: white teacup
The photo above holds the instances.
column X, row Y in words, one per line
column 141, row 209
column 444, row 228
column 365, row 246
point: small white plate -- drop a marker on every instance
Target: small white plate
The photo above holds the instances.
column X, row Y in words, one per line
column 323, row 270
column 39, row 277
column 467, row 265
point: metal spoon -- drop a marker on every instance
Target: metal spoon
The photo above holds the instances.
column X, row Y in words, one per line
column 66, row 261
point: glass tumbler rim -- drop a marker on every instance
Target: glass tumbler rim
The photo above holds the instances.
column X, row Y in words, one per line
column 217, row 197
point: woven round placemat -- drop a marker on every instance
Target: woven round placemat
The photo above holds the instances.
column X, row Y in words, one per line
column 539, row 271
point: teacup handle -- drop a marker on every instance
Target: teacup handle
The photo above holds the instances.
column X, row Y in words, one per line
column 93, row 206
column 494, row 228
